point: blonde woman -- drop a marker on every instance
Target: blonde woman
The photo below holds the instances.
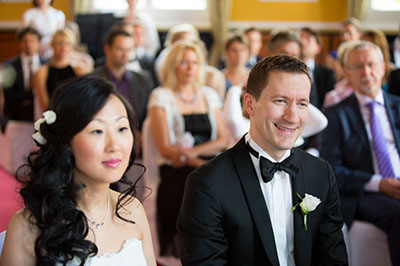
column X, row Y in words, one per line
column 187, row 126
column 58, row 70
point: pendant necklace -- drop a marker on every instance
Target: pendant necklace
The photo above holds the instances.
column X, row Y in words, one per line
column 180, row 96
column 105, row 216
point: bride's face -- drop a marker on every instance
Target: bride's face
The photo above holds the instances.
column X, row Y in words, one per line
column 102, row 149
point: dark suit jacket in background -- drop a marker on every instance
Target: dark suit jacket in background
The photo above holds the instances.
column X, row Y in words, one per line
column 394, row 82
column 18, row 101
column 324, row 81
column 347, row 148
column 224, row 219
column 141, row 86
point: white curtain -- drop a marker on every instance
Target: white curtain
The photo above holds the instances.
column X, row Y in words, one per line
column 358, row 8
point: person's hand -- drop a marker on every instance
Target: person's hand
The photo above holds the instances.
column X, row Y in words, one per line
column 178, row 158
column 390, row 187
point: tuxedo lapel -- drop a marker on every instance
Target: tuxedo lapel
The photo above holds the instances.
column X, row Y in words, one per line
column 255, row 199
column 302, row 237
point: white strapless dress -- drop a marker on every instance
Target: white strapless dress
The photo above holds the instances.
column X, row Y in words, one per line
column 130, row 254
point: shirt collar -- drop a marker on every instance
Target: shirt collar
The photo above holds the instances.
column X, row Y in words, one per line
column 311, row 64
column 364, row 100
column 261, row 152
column 25, row 58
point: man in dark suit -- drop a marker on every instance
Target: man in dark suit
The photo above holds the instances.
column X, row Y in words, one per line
column 134, row 86
column 18, row 95
column 237, row 208
column 362, row 144
column 323, row 78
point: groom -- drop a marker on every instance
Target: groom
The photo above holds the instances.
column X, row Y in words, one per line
column 237, row 208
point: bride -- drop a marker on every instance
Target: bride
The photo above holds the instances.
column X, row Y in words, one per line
column 71, row 216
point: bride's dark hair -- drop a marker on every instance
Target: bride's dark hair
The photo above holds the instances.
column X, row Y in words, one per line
column 48, row 187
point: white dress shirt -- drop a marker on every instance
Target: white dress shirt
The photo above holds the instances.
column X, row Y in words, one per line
column 373, row 184
column 278, row 198
column 25, row 67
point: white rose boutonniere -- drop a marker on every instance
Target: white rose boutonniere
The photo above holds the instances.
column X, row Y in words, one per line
column 307, row 204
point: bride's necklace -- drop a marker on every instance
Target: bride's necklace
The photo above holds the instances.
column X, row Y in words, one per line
column 180, row 96
column 105, row 216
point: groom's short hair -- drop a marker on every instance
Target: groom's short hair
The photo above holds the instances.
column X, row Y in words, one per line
column 259, row 74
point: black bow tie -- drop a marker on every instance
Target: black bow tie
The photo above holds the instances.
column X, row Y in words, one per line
column 269, row 168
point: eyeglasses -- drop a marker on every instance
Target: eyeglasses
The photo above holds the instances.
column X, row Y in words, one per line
column 370, row 65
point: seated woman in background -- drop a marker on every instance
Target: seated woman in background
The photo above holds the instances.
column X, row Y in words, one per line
column 238, row 120
column 58, row 70
column 378, row 37
column 46, row 20
column 187, row 126
column 71, row 216
column 237, row 55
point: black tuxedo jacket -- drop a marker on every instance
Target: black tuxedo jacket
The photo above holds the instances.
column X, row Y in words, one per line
column 324, row 81
column 141, row 86
column 347, row 148
column 18, row 101
column 224, row 219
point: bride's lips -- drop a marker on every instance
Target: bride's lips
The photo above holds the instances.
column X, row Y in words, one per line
column 113, row 163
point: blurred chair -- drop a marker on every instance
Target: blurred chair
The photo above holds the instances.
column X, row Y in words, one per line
column 366, row 245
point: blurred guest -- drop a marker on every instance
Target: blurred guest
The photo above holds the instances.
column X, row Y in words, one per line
column 361, row 143
column 137, row 64
column 79, row 55
column 237, row 55
column 284, row 42
column 46, row 20
column 342, row 88
column 255, row 44
column 151, row 42
column 175, row 33
column 379, row 38
column 350, row 31
column 18, row 95
column 58, row 69
column 134, row 86
column 322, row 78
column 187, row 126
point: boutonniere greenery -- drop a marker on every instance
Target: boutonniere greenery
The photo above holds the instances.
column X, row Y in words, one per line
column 307, row 204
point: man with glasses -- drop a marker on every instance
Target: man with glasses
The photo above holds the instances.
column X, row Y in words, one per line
column 362, row 144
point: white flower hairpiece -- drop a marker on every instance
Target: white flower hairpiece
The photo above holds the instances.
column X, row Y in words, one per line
column 49, row 117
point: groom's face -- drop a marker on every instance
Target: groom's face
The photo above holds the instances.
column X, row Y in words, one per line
column 278, row 116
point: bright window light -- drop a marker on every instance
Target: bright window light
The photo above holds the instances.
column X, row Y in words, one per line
column 180, row 4
column 385, row 5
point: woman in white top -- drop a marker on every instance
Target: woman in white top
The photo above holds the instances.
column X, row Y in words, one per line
column 187, row 127
column 71, row 215
column 46, row 20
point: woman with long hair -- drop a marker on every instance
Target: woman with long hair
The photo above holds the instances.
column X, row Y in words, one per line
column 71, row 217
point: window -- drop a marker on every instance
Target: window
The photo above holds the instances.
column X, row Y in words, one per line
column 383, row 14
column 165, row 13
column 385, row 5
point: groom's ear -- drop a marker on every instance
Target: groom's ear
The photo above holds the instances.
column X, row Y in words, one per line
column 249, row 103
